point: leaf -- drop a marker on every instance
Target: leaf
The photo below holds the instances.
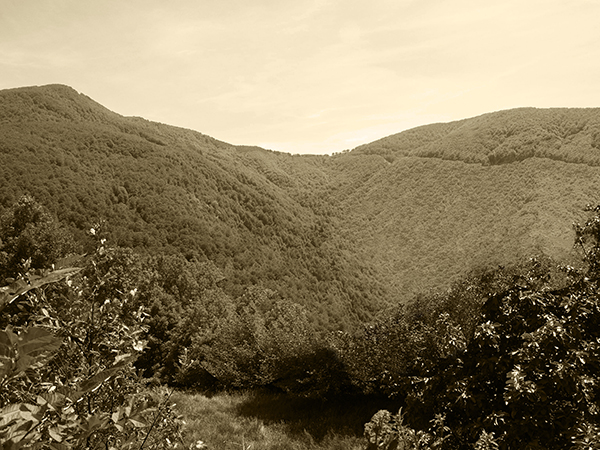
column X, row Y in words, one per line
column 96, row 421
column 57, row 446
column 36, row 341
column 8, row 294
column 122, row 357
column 54, row 400
column 17, row 287
column 9, row 413
column 137, row 423
column 92, row 383
column 18, row 431
column 55, row 276
column 35, row 345
column 17, row 420
column 55, row 434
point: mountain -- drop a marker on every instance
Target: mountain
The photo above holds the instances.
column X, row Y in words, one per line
column 483, row 191
column 344, row 235
column 262, row 217
column 563, row 134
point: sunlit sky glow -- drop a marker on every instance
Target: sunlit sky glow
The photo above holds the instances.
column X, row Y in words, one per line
column 306, row 76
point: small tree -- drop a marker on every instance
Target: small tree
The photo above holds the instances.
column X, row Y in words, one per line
column 30, row 238
column 66, row 373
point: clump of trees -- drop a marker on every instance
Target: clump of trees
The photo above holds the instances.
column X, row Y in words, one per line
column 30, row 239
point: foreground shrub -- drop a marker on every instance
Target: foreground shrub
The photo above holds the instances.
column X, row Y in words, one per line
column 528, row 376
column 66, row 352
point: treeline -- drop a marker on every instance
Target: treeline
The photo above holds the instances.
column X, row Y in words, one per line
column 507, row 358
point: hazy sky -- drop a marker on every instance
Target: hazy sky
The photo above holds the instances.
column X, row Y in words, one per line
column 306, row 76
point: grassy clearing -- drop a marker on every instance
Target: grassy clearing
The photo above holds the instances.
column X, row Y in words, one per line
column 266, row 421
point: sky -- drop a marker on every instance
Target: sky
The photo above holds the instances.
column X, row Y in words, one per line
column 306, row 76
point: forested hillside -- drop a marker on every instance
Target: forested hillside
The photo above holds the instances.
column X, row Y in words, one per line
column 437, row 271
column 482, row 192
column 564, row 134
column 262, row 217
column 344, row 235
column 420, row 214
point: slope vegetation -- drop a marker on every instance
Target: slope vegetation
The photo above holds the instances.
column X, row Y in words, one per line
column 570, row 135
column 480, row 192
column 259, row 215
column 344, row 235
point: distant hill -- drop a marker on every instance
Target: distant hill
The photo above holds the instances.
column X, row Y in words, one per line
column 562, row 134
column 482, row 191
column 344, row 235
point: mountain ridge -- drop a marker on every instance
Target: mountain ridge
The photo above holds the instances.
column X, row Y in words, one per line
column 502, row 137
column 344, row 235
column 253, row 212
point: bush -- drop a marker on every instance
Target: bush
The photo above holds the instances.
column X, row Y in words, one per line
column 66, row 373
column 527, row 376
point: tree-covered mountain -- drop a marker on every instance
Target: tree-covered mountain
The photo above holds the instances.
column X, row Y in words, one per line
column 563, row 134
column 481, row 192
column 264, row 218
column 344, row 235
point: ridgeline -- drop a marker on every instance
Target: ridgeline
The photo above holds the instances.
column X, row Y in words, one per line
column 345, row 235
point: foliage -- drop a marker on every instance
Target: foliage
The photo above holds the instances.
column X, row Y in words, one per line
column 502, row 137
column 409, row 342
column 269, row 421
column 343, row 236
column 530, row 373
column 30, row 239
column 526, row 373
column 255, row 341
column 66, row 375
column 263, row 218
column 250, row 257
column 388, row 432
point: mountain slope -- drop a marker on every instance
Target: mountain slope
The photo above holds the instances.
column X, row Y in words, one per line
column 257, row 214
column 344, row 235
column 425, row 221
column 570, row 135
column 481, row 192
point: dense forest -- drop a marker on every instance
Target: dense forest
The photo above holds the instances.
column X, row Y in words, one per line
column 437, row 269
column 343, row 235
column 260, row 216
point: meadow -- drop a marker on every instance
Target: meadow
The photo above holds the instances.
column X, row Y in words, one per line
column 267, row 421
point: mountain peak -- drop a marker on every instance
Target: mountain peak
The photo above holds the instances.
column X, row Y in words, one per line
column 50, row 102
